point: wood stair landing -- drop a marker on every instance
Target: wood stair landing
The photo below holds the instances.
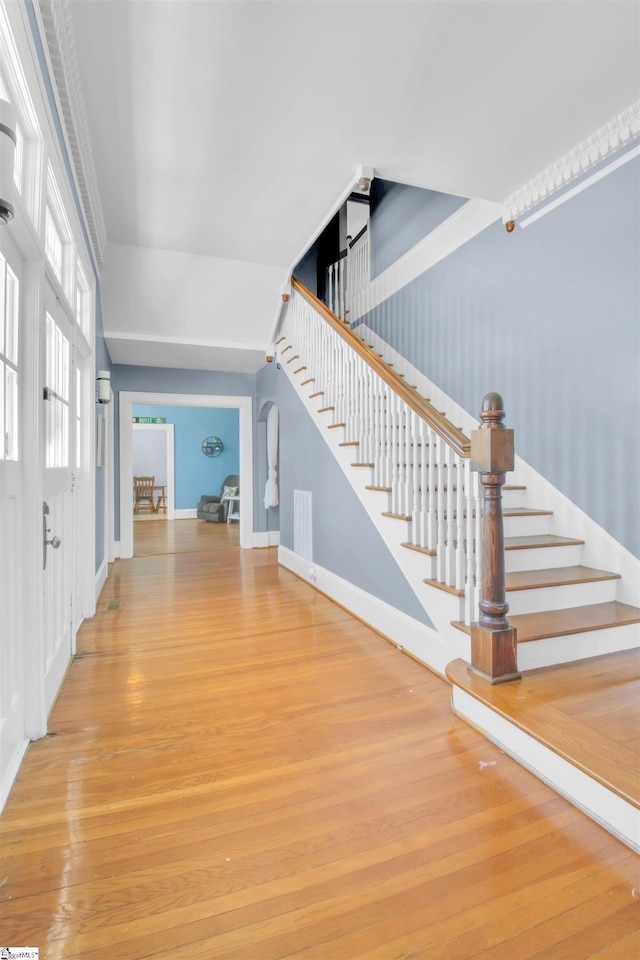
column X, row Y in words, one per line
column 586, row 713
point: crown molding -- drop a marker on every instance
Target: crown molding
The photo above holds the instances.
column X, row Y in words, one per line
column 60, row 40
column 606, row 141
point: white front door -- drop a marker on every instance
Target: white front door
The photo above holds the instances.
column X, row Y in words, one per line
column 59, row 479
column 12, row 686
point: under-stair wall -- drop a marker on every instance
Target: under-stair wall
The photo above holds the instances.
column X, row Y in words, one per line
column 346, row 548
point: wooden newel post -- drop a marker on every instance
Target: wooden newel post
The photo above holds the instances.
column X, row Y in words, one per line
column 493, row 641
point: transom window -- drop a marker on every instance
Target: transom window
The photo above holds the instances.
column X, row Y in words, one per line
column 58, row 240
column 18, row 159
column 14, row 89
column 53, row 244
column 57, row 393
column 9, row 306
column 83, row 300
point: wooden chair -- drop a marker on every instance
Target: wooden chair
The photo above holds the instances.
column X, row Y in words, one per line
column 143, row 492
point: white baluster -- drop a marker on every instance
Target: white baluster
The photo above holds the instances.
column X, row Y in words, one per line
column 423, row 455
column 460, row 524
column 416, row 500
column 441, row 501
column 330, row 286
column 451, row 518
column 388, row 438
column 432, row 515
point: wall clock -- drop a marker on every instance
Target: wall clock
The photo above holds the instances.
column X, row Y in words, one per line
column 212, row 447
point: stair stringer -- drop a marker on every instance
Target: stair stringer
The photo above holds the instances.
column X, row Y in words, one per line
column 600, row 549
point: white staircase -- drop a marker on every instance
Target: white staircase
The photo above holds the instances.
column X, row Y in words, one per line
column 411, row 470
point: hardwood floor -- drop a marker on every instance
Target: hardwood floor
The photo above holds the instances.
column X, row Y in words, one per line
column 237, row 769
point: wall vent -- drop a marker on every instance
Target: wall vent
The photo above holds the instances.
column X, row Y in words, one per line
column 113, row 605
column 303, row 523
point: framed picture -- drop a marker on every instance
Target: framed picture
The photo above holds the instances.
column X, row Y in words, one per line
column 100, row 442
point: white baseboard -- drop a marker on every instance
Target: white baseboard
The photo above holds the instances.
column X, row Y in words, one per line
column 605, row 807
column 116, row 549
column 191, row 514
column 404, row 631
column 266, row 538
column 101, row 577
column 11, row 772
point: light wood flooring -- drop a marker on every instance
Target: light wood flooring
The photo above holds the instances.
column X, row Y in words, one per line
column 237, row 768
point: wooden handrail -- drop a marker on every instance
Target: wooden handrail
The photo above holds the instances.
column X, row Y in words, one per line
column 353, row 242
column 450, row 434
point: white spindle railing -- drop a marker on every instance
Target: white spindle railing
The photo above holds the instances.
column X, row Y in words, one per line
column 348, row 276
column 337, row 288
column 430, row 483
column 358, row 265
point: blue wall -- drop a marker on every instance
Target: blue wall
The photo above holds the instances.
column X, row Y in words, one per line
column 401, row 216
column 196, row 473
column 168, row 380
column 344, row 539
column 549, row 317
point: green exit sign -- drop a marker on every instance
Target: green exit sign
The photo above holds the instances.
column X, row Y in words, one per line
column 149, row 420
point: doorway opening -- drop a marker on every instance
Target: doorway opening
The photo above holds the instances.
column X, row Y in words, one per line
column 245, row 434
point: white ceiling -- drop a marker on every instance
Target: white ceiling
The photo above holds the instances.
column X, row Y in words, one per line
column 230, row 129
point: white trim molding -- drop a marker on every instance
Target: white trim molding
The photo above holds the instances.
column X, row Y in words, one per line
column 582, row 185
column 245, row 407
column 604, row 806
column 101, row 579
column 408, row 634
column 604, row 142
column 59, row 41
column 266, row 538
column 466, row 222
column 185, row 513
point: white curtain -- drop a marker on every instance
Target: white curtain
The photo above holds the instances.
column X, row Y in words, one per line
column 271, row 488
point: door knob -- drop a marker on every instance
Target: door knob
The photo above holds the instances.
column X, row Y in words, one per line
column 54, row 542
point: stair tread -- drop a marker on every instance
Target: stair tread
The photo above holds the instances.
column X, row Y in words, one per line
column 569, row 620
column 413, row 546
column 525, row 512
column 525, row 703
column 443, row 586
column 559, row 623
column 556, row 576
column 539, row 540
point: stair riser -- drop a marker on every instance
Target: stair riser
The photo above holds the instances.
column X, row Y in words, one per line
column 577, row 646
column 527, row 526
column 560, row 597
column 514, row 498
column 542, row 557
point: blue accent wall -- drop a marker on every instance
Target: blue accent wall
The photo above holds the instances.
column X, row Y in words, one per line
column 549, row 316
column 402, row 215
column 169, row 380
column 196, row 473
column 344, row 538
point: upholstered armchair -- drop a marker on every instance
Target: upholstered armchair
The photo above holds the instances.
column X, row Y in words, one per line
column 214, row 508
